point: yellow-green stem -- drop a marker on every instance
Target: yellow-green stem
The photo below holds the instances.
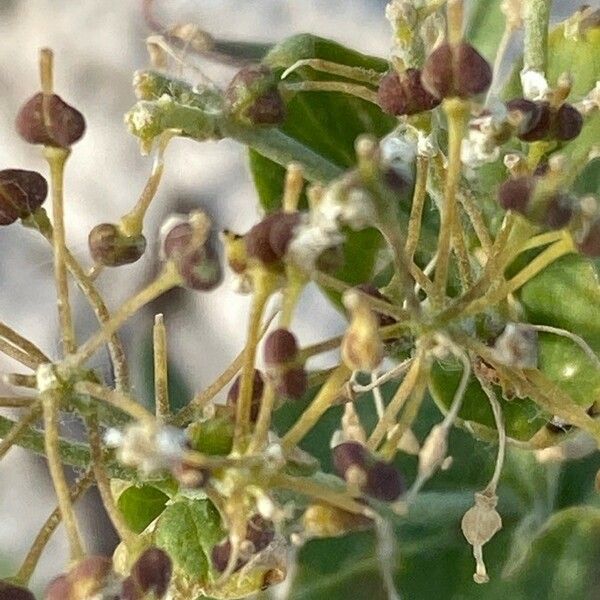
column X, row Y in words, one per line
column 161, row 371
column 20, row 428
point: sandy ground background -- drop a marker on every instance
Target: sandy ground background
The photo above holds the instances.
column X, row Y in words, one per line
column 98, row 44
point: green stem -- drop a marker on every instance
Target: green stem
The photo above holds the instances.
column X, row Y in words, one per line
column 537, row 17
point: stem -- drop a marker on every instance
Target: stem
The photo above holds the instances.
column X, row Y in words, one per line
column 48, row 528
column 456, row 112
column 103, row 483
column 455, row 12
column 473, row 211
column 263, row 422
column 16, row 402
column 351, row 89
column 416, row 209
column 18, row 429
column 324, row 66
column 50, row 402
column 57, row 158
column 327, row 395
column 537, row 17
column 263, row 287
column 18, row 355
column 161, row 369
column 292, row 189
column 462, row 254
column 23, row 344
column 168, row 278
column 20, row 380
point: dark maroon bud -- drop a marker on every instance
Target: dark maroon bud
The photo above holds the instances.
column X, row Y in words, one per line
column 282, row 232
column 152, row 572
column 292, row 383
column 90, row 576
column 568, row 123
column 59, row 588
column 516, row 194
column 539, row 128
column 50, row 121
column 220, row 556
column 456, row 71
column 201, row 269
column 9, row 591
column 280, row 347
column 258, row 386
column 253, row 96
column 404, row 94
column 372, row 291
column 130, row 591
column 260, row 532
column 590, row 245
column 384, row 482
column 559, row 211
column 349, row 454
column 258, row 245
column 178, row 239
column 21, row 194
column 542, row 169
column 396, row 179
column 529, row 113
column 111, row 248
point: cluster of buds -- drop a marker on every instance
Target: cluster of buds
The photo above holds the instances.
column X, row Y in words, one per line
column 93, row 577
column 365, row 474
column 283, row 367
column 268, row 241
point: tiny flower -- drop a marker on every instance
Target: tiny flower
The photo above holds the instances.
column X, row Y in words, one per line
column 433, row 451
column 326, row 521
column 534, row 84
column 21, row 194
column 517, row 346
column 111, row 248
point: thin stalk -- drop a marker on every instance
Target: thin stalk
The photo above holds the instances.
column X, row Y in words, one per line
column 475, row 215
column 459, row 245
column 16, row 401
column 361, row 74
column 50, row 403
column 103, row 483
column 416, row 209
column 23, row 344
column 292, row 190
column 537, row 18
column 20, row 380
column 161, row 369
column 57, row 158
column 168, row 278
column 28, row 566
column 263, row 422
column 18, row 355
column 18, row 429
column 456, row 111
column 351, row 89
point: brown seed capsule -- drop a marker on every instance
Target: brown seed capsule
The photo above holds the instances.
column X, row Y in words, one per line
column 252, row 96
column 516, row 194
column 590, row 245
column 568, row 123
column 258, row 387
column 50, row 121
column 9, row 591
column 177, row 240
column 404, row 94
column 384, row 482
column 201, row 269
column 109, row 247
column 456, row 71
column 292, row 383
column 558, row 211
column 21, row 194
column 280, row 347
column 268, row 240
column 529, row 115
column 347, row 455
column 152, row 572
column 282, row 232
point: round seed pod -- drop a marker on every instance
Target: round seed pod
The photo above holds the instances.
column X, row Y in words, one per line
column 404, row 94
column 220, row 556
column 22, row 192
column 260, row 532
column 109, row 247
column 152, row 572
column 9, row 591
column 252, row 96
column 59, row 588
column 515, row 194
column 292, row 383
column 282, row 232
column 371, row 290
column 530, row 113
column 456, row 71
column 568, row 122
column 258, row 245
column 384, row 482
column 50, row 121
column 280, row 347
column 178, row 240
column 201, row 270
column 559, row 211
column 258, row 387
column 590, row 245
column 347, row 455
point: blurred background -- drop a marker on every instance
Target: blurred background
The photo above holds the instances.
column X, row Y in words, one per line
column 98, row 44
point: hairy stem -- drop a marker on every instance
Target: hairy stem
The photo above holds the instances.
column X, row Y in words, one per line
column 161, row 371
column 537, row 17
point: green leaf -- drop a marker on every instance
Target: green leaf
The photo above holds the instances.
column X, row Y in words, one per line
column 187, row 530
column 588, row 181
column 141, row 505
column 485, row 28
column 310, row 122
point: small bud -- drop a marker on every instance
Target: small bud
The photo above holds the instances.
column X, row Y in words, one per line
column 152, row 572
column 50, row 121
column 516, row 194
column 568, row 123
column 479, row 525
column 590, row 245
column 384, row 482
column 433, row 451
column 349, row 454
column 9, row 591
column 189, row 476
column 21, row 194
column 292, row 383
column 111, row 248
column 268, row 240
column 326, row 521
column 252, row 96
column 258, row 387
column 533, row 118
column 282, row 232
column 280, row 347
column 404, row 94
column 235, row 251
column 371, row 290
column 456, row 71
column 558, row 211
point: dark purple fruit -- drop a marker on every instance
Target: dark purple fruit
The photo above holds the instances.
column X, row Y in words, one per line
column 384, row 482
column 590, row 245
column 515, row 194
column 109, row 247
column 282, row 232
column 152, row 572
column 21, row 194
column 9, row 591
column 50, row 121
column 530, row 115
column 558, row 211
column 292, row 383
column 280, row 347
column 456, row 71
column 201, row 269
column 268, row 240
column 349, row 454
column 568, row 123
column 404, row 94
